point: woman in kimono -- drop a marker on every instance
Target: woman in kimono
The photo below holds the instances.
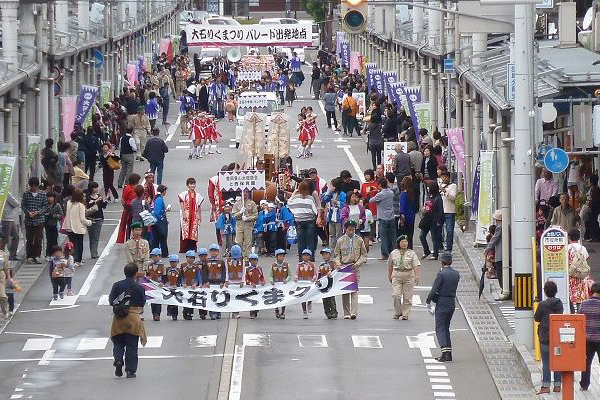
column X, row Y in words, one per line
column 218, row 94
column 126, row 199
column 190, row 217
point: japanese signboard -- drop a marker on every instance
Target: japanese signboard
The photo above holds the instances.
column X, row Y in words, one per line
column 7, row 165
column 389, row 154
column 423, row 116
column 484, row 206
column 511, row 81
column 555, row 261
column 33, row 142
column 248, row 298
column 378, row 81
column 252, row 100
column 105, row 91
column 245, row 75
column 242, row 180
column 361, row 101
column 413, row 97
column 87, row 95
column 455, row 138
column 345, row 53
column 292, row 35
column 389, row 78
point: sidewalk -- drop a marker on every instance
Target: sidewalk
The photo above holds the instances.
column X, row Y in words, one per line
column 504, row 312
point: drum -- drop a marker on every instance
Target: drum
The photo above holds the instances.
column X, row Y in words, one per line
column 269, row 194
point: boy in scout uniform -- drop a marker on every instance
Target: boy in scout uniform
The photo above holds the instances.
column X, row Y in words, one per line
column 154, row 269
column 202, row 265
column 236, row 270
column 350, row 250
column 280, row 273
column 326, row 268
column 215, row 273
column 172, row 280
column 189, row 273
column 306, row 271
column 137, row 249
column 403, row 273
column 443, row 293
column 254, row 276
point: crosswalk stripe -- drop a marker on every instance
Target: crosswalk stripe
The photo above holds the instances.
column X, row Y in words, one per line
column 92, row 344
column 369, row 342
column 437, row 373
column 439, row 380
column 203, row 341
column 434, row 367
column 444, row 394
column 257, row 340
column 416, row 300
column 365, row 299
column 38, row 344
column 153, row 342
column 103, row 301
column 312, row 341
column 65, row 301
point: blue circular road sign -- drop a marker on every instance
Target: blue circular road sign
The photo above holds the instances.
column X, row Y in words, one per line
column 556, row 160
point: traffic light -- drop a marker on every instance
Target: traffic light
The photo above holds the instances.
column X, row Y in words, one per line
column 354, row 15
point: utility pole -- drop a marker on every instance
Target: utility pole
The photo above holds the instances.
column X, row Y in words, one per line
column 524, row 124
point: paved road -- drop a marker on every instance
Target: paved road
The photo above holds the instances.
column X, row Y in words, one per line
column 63, row 351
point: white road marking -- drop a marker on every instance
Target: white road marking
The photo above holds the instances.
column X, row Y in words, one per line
column 92, row 344
column 87, row 284
column 185, row 140
column 435, row 367
column 50, row 309
column 441, row 387
column 153, row 342
column 65, row 301
column 355, row 165
column 439, row 380
column 443, row 394
column 38, row 344
column 47, row 357
column 341, row 140
column 235, row 388
column 183, row 147
column 35, row 334
column 426, row 352
column 437, row 373
column 103, row 301
column 312, row 341
column 369, row 342
column 203, row 341
column 365, row 299
column 322, row 106
column 257, row 340
column 416, row 300
column 172, row 129
column 368, row 287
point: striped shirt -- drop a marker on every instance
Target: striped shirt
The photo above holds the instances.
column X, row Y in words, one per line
column 303, row 208
column 591, row 309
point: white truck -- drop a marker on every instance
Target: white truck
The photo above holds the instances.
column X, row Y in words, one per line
column 260, row 102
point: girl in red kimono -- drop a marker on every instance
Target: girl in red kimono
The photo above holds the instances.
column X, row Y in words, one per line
column 311, row 128
column 126, row 198
column 212, row 135
column 189, row 214
column 197, row 137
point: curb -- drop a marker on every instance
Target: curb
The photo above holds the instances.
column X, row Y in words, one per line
column 528, row 363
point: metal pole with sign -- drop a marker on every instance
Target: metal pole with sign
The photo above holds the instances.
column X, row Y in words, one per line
column 449, row 70
column 555, row 262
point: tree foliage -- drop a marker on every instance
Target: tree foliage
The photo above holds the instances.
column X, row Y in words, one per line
column 316, row 9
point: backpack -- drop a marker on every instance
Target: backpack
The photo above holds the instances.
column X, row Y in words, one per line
column 579, row 267
column 121, row 304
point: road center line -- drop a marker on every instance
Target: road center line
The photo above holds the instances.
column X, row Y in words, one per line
column 172, row 129
column 355, row 165
column 226, row 383
column 235, row 390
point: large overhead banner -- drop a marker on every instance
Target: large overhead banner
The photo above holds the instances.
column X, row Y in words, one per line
column 234, row 298
column 292, row 35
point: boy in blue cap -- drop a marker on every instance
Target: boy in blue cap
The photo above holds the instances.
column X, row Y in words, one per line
column 173, row 280
column 280, row 273
column 307, row 272
column 236, row 270
column 189, row 273
column 254, row 276
column 326, row 268
column 215, row 273
column 202, row 265
column 154, row 269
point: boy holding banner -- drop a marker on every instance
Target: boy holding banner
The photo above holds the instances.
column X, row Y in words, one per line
column 280, row 273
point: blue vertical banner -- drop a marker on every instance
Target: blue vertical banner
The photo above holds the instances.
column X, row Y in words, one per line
column 371, row 68
column 413, row 96
column 345, row 53
column 339, row 38
column 397, row 94
column 389, row 78
column 87, row 95
column 378, row 79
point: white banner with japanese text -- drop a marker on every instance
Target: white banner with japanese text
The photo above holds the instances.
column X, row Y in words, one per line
column 234, row 298
column 291, row 35
column 231, row 181
column 389, row 154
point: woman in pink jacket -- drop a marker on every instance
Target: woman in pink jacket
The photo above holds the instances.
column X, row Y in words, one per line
column 353, row 211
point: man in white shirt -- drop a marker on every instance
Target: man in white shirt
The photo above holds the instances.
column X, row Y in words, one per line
column 448, row 191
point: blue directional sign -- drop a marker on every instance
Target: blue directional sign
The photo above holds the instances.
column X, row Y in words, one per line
column 98, row 59
column 556, row 160
column 448, row 65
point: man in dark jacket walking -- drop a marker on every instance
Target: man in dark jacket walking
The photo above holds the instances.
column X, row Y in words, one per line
column 127, row 331
column 154, row 152
column 551, row 305
column 443, row 294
